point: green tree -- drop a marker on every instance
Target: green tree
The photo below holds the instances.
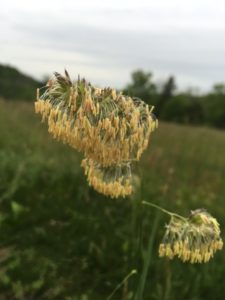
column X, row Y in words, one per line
column 166, row 94
column 183, row 108
column 214, row 106
column 141, row 86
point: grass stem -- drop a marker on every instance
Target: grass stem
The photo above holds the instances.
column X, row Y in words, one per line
column 133, row 272
column 147, row 259
column 164, row 210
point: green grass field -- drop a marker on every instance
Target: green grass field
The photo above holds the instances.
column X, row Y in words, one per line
column 59, row 239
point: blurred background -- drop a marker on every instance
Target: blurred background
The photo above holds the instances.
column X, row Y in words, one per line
column 59, row 239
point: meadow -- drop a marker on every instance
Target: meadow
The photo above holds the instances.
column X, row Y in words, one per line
column 59, row 239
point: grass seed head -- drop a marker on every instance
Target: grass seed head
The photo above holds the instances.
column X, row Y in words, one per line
column 83, row 116
column 114, row 181
column 111, row 129
column 195, row 239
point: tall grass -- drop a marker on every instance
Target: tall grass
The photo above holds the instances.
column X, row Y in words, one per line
column 62, row 240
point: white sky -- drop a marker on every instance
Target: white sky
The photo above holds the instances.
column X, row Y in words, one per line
column 105, row 40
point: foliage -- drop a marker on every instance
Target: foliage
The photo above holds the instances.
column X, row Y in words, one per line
column 141, row 86
column 165, row 94
column 62, row 240
column 214, row 106
column 183, row 109
column 179, row 107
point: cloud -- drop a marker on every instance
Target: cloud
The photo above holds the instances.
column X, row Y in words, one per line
column 106, row 41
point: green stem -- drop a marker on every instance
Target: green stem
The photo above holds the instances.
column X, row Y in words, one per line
column 133, row 272
column 147, row 260
column 164, row 210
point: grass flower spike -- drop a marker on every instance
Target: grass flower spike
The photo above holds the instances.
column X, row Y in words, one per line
column 113, row 181
column 111, row 129
column 194, row 239
column 104, row 124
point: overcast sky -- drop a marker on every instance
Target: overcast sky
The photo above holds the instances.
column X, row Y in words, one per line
column 105, row 40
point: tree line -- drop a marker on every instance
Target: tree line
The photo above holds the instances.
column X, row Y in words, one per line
column 170, row 105
column 180, row 107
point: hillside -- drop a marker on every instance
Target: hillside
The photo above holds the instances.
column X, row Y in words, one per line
column 15, row 85
column 62, row 240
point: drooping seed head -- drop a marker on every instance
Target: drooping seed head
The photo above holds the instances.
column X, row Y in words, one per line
column 195, row 239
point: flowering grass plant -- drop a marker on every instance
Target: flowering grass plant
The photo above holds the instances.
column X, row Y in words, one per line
column 111, row 129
